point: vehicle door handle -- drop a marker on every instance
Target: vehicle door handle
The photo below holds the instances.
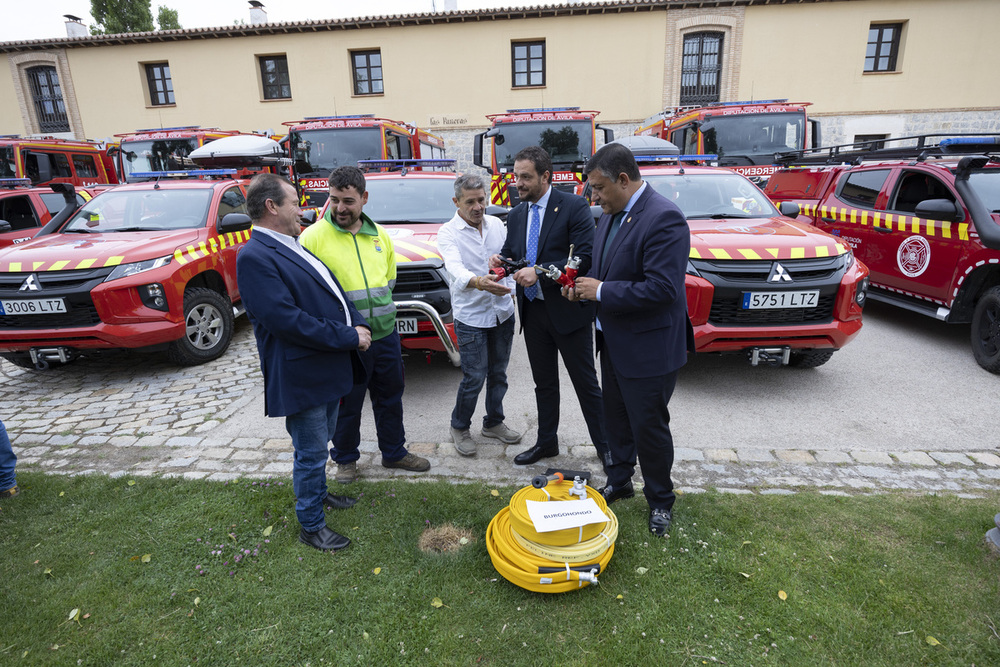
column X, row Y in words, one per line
column 884, row 230
column 825, row 219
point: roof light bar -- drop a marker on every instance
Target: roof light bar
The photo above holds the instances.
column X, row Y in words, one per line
column 543, row 109
column 14, row 182
column 183, row 174
column 170, row 129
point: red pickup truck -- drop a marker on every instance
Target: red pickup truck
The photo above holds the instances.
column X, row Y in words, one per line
column 922, row 212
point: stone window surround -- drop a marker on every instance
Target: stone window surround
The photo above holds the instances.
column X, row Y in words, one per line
column 19, row 65
column 732, row 29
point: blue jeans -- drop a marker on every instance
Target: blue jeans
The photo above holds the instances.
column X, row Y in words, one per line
column 7, row 461
column 311, row 429
column 385, row 387
column 485, row 353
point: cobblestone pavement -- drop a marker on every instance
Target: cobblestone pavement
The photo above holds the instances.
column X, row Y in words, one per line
column 157, row 419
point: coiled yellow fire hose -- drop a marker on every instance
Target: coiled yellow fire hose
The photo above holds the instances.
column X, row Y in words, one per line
column 555, row 561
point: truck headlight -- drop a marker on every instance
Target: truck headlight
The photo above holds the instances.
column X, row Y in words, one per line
column 124, row 270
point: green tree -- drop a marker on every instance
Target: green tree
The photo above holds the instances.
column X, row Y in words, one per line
column 166, row 18
column 117, row 16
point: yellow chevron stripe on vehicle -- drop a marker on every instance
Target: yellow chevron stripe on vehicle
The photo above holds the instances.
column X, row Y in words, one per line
column 413, row 251
column 215, row 244
column 885, row 220
column 775, row 253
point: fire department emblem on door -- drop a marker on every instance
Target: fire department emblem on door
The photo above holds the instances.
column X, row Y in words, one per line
column 913, row 256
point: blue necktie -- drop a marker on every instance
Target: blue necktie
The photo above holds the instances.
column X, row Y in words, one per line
column 533, row 228
column 616, row 223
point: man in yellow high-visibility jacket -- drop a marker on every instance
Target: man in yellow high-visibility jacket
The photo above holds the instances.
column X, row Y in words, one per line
column 360, row 254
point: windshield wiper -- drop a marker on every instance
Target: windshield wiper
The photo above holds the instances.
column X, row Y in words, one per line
column 78, row 231
column 136, row 229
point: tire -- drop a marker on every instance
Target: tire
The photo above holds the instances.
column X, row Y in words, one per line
column 19, row 359
column 208, row 319
column 986, row 330
column 809, row 358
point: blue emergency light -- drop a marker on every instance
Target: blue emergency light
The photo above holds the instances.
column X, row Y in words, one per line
column 391, row 164
column 183, row 174
column 736, row 104
column 956, row 141
column 357, row 115
column 170, row 129
column 14, row 182
column 543, row 110
column 668, row 157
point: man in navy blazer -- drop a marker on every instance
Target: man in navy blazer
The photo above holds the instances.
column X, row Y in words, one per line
column 552, row 325
column 637, row 279
column 307, row 334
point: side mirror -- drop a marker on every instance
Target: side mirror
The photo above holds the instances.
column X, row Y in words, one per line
column 938, row 209
column 308, row 218
column 497, row 211
column 234, row 222
column 789, row 208
column 4, row 226
column 597, row 212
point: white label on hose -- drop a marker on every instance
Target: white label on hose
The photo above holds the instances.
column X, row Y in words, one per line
column 560, row 514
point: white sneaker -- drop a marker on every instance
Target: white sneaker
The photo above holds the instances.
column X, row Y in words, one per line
column 501, row 432
column 464, row 444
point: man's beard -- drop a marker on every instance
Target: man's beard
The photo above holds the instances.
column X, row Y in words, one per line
column 336, row 221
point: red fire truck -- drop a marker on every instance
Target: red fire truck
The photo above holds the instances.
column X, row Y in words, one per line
column 566, row 133
column 318, row 145
column 744, row 135
column 164, row 149
column 50, row 160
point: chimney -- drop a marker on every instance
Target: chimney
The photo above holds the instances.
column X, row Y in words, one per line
column 257, row 13
column 75, row 27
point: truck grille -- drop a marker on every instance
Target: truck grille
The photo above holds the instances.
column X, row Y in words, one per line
column 732, row 278
column 72, row 286
column 417, row 280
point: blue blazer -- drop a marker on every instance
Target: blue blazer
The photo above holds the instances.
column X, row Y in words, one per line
column 567, row 221
column 643, row 306
column 307, row 350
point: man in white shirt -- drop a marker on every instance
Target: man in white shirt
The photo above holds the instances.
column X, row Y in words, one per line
column 483, row 310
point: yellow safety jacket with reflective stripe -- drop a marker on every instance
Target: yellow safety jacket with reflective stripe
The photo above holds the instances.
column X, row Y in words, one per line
column 364, row 263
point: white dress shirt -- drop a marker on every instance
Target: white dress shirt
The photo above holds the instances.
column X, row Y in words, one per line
column 542, row 204
column 319, row 267
column 466, row 254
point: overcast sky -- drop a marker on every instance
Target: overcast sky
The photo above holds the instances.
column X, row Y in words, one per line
column 43, row 19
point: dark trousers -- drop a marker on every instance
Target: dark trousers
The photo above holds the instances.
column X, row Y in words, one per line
column 385, row 387
column 638, row 423
column 544, row 345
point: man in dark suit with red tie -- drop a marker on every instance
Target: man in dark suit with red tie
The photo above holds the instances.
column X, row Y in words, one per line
column 637, row 279
column 308, row 334
column 541, row 230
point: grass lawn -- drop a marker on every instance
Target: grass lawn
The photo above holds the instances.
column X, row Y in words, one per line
column 164, row 571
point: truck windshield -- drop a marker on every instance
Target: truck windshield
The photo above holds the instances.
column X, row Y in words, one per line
column 157, row 155
column 318, row 152
column 8, row 169
column 142, row 210
column 986, row 184
column 712, row 195
column 567, row 141
column 754, row 138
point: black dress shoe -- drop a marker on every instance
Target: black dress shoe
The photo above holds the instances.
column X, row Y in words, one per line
column 324, row 539
column 338, row 502
column 535, row 453
column 611, row 494
column 659, row 521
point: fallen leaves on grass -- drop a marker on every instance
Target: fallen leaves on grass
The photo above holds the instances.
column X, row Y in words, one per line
column 932, row 641
column 782, row 595
column 437, row 603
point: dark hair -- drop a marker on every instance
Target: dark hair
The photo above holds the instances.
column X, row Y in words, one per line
column 262, row 188
column 347, row 176
column 611, row 160
column 538, row 157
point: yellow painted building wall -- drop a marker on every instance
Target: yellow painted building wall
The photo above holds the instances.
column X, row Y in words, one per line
column 457, row 70
column 815, row 52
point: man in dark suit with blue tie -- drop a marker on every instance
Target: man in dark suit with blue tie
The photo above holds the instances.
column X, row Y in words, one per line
column 637, row 279
column 541, row 230
column 308, row 334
